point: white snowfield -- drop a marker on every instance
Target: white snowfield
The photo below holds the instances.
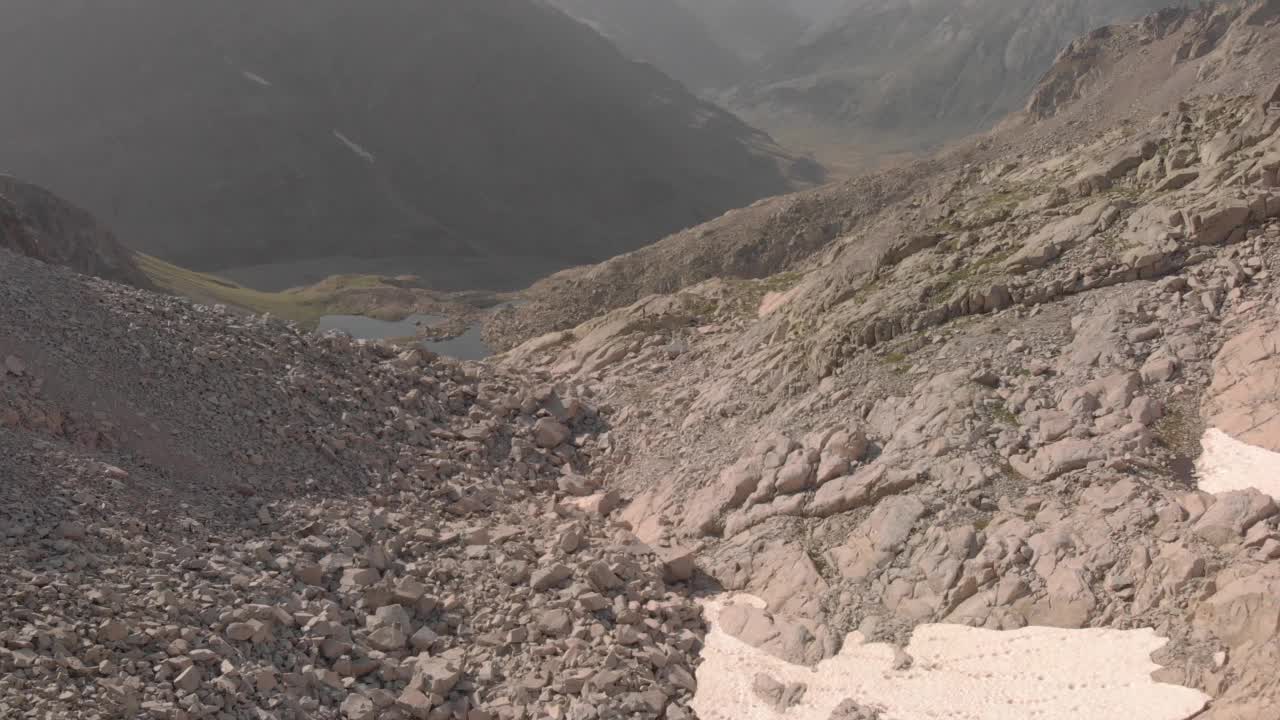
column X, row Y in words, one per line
column 354, row 147
column 1228, row 464
column 958, row 673
column 255, row 78
column 351, row 145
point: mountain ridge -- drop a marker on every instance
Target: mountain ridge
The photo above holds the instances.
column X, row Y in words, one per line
column 923, row 69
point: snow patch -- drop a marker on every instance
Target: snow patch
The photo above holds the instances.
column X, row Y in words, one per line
column 958, row 673
column 351, row 145
column 1228, row 464
column 254, row 77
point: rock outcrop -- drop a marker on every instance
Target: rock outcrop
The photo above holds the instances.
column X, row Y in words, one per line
column 864, row 70
column 36, row 223
column 984, row 407
column 1244, row 398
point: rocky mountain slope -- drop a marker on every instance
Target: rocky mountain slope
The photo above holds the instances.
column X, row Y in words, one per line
column 310, row 129
column 1132, row 71
column 208, row 516
column 39, row 224
column 927, row 70
column 1029, row 384
column 1036, row 392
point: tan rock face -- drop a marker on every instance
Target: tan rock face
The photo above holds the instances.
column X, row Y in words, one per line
column 880, row 537
column 801, row 642
column 782, row 574
column 1244, row 398
column 1246, row 610
column 1228, row 519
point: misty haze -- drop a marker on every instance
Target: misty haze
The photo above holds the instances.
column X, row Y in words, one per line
column 640, row 360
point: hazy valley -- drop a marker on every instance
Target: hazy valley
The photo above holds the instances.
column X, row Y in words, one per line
column 489, row 128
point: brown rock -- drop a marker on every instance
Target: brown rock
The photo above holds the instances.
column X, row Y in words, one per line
column 550, row 577
column 1244, row 397
column 548, row 433
column 602, row 577
column 779, row 696
column 358, row 707
column 600, row 504
column 1245, row 610
column 802, row 642
column 556, row 623
column 388, row 638
column 678, row 564
column 188, row 680
column 112, row 631
column 434, row 675
column 14, row 366
column 1228, row 519
column 415, row 703
column 852, row 710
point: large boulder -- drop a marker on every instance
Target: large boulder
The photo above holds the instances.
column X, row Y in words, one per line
column 1244, row 398
column 1216, row 221
column 802, row 642
column 1228, row 519
column 1056, row 237
column 1246, row 608
column 774, row 569
column 1059, row 458
column 880, row 537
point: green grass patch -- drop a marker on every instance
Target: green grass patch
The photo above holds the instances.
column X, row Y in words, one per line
column 1003, row 415
column 870, row 287
column 746, row 295
column 304, row 305
column 991, row 209
column 1127, row 191
column 1004, row 198
column 898, row 362
column 781, row 282
column 968, row 274
column 701, row 307
column 1180, row 428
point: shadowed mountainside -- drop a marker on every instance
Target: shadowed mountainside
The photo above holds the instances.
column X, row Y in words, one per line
column 237, row 133
column 36, row 223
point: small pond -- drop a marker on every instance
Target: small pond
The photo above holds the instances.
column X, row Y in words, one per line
column 467, row 346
